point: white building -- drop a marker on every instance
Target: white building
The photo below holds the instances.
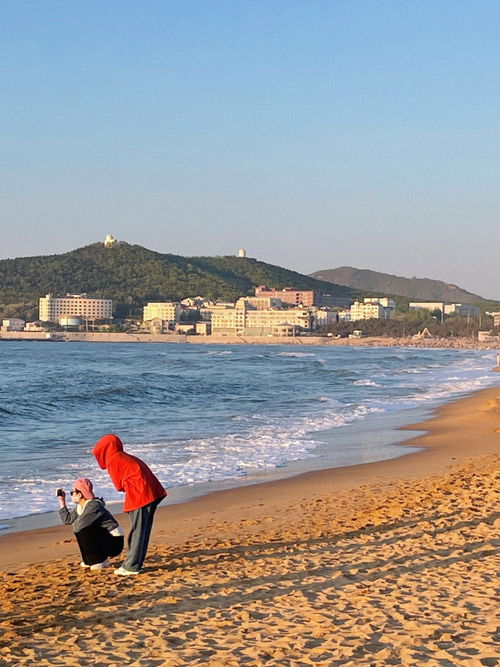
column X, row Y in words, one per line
column 13, row 324
column 33, row 326
column 382, row 300
column 462, row 309
column 263, row 322
column 197, row 301
column 325, row 316
column 431, row 306
column 260, row 302
column 52, row 308
column 243, row 319
column 372, row 308
column 167, row 311
column 227, row 319
column 207, row 310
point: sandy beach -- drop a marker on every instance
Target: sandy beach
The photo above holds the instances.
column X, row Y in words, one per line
column 391, row 563
column 234, row 339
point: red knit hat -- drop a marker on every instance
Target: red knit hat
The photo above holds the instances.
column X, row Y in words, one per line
column 85, row 487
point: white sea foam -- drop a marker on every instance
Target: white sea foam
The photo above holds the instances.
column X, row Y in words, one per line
column 296, row 354
column 248, row 441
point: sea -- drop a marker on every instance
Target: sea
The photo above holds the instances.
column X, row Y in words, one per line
column 211, row 416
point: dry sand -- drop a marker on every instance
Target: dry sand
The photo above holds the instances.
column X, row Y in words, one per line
column 392, row 563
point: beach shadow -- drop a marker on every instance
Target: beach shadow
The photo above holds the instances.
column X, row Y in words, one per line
column 266, row 589
column 278, row 549
column 130, row 605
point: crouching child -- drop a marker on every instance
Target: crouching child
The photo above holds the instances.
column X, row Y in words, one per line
column 97, row 532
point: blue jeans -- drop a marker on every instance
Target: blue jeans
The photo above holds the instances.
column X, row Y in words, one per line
column 141, row 522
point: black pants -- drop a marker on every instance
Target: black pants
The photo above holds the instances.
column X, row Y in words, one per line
column 96, row 544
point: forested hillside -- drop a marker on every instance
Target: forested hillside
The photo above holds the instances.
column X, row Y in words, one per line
column 132, row 275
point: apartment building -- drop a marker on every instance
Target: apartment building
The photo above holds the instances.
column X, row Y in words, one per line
column 427, row 305
column 52, row 308
column 325, row 316
column 166, row 311
column 382, row 300
column 372, row 308
column 207, row 310
column 262, row 322
column 260, row 302
column 228, row 320
column 242, row 319
column 287, row 295
column 345, row 316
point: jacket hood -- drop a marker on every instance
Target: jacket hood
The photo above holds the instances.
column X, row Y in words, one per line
column 105, row 448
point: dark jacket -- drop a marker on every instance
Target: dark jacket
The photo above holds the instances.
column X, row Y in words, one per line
column 93, row 511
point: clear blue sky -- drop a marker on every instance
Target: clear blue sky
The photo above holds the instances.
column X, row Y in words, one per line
column 313, row 133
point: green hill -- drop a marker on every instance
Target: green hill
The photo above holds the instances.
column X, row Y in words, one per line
column 132, row 275
column 419, row 289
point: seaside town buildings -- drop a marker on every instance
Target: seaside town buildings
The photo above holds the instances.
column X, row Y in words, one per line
column 303, row 297
column 167, row 311
column 77, row 306
column 462, row 309
column 245, row 319
column 251, row 315
column 370, row 308
column 261, row 302
column 13, row 324
column 287, row 295
column 270, row 312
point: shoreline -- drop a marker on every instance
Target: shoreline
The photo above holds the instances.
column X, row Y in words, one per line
column 445, row 442
column 387, row 427
column 391, row 563
column 174, row 338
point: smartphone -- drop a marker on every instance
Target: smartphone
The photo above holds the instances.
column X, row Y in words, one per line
column 59, row 492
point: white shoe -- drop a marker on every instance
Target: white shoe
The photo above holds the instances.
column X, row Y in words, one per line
column 124, row 573
column 82, row 564
column 100, row 566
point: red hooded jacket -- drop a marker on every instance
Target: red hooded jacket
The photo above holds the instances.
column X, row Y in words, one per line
column 128, row 473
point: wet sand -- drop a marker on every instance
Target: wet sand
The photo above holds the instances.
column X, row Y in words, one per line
column 387, row 563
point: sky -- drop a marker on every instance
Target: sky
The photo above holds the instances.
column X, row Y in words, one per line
column 312, row 133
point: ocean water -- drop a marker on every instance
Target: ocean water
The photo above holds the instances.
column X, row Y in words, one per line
column 199, row 414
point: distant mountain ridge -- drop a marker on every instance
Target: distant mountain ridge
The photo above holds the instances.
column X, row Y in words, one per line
column 132, row 275
column 419, row 289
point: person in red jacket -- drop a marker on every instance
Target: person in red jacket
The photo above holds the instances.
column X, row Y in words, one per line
column 143, row 494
